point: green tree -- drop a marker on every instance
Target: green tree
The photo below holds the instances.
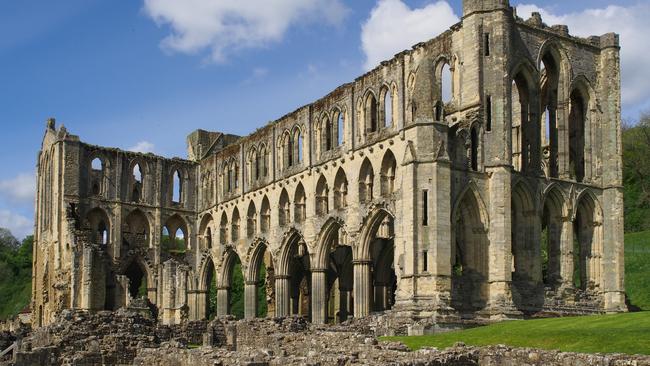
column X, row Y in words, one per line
column 15, row 273
column 636, row 175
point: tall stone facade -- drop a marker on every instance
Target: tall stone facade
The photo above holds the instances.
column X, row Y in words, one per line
column 476, row 176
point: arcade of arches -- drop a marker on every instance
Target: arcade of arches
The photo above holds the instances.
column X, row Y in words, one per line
column 455, row 182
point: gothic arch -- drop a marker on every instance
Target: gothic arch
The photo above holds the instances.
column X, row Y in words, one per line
column 388, row 173
column 100, row 225
column 206, row 230
column 472, row 189
column 136, row 229
column 371, row 225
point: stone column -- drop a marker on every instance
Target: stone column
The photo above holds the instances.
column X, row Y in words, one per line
column 200, row 305
column 250, row 300
column 282, row 300
column 86, row 279
column 566, row 253
column 319, row 296
column 362, row 287
column 499, row 302
column 223, row 300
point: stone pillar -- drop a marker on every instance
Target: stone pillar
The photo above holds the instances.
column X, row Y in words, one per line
column 282, row 294
column 612, row 266
column 566, row 253
column 362, row 287
column 223, row 301
column 319, row 296
column 199, row 305
column 250, row 300
column 86, row 279
column 499, row 302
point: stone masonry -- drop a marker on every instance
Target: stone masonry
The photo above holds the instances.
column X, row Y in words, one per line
column 474, row 177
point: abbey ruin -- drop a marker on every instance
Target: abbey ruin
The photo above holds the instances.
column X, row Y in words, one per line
column 476, row 176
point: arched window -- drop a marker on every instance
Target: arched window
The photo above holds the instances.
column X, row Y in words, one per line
column 235, row 175
column 174, row 236
column 136, row 192
column 287, row 151
column 524, row 134
column 322, row 196
column 253, row 166
column 251, row 221
column 370, row 113
column 388, row 167
column 283, row 208
column 265, row 215
column 340, row 132
column 97, row 164
column 550, row 80
column 340, row 190
column 366, row 177
column 577, row 118
column 177, row 187
column 446, row 86
column 263, row 159
column 225, row 177
column 234, row 232
column 223, row 229
column 208, row 238
column 298, row 141
column 96, row 176
column 299, row 204
column 387, row 111
column 327, row 135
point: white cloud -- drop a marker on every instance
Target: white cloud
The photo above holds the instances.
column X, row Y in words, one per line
column 20, row 226
column 225, row 26
column 633, row 26
column 20, row 189
column 393, row 27
column 142, row 147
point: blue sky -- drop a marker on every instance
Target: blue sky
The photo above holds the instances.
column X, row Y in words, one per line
column 143, row 74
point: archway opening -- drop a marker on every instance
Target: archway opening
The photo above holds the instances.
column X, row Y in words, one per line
column 137, row 280
column 551, row 239
column 528, row 292
column 264, row 276
column 384, row 279
column 469, row 257
column 550, row 79
column 300, row 279
column 236, row 288
column 211, row 291
column 340, row 277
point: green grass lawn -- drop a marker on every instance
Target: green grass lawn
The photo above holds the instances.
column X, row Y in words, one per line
column 620, row 333
column 637, row 268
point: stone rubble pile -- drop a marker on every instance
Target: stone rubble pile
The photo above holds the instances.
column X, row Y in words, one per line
column 128, row 338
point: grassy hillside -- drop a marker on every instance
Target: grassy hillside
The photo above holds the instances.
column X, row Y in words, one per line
column 637, row 268
column 620, row 333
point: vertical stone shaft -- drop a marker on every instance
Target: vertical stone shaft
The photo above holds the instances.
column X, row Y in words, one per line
column 223, row 301
column 250, row 300
column 362, row 287
column 319, row 296
column 282, row 295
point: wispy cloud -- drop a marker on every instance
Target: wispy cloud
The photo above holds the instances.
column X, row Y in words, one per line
column 226, row 26
column 19, row 189
column 630, row 22
column 19, row 225
column 393, row 27
column 142, row 147
column 257, row 74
